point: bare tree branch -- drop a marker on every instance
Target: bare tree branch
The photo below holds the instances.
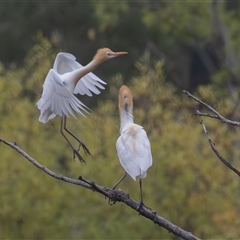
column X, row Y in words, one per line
column 114, row 195
column 222, row 159
column 217, row 114
column 206, row 114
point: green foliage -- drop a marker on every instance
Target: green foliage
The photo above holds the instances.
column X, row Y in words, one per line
column 184, row 33
column 109, row 14
column 183, row 29
column 186, row 184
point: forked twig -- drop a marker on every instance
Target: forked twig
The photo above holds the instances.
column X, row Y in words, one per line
column 222, row 159
column 217, row 114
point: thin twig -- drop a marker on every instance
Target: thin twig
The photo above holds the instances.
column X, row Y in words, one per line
column 198, row 113
column 222, row 159
column 114, row 195
column 217, row 114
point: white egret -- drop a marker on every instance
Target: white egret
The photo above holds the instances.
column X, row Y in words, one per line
column 63, row 81
column 133, row 146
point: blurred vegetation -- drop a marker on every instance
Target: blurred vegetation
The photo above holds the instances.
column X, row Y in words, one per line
column 197, row 40
column 187, row 184
column 171, row 45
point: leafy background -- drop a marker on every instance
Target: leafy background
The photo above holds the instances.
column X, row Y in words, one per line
column 172, row 46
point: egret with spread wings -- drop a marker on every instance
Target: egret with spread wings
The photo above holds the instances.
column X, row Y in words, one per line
column 64, row 80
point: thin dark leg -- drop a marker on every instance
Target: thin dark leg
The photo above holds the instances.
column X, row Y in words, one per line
column 87, row 152
column 124, row 175
column 141, row 194
column 111, row 202
column 140, row 184
column 75, row 152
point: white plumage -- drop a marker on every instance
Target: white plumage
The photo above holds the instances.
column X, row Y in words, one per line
column 66, row 78
column 60, row 84
column 133, row 146
column 134, row 150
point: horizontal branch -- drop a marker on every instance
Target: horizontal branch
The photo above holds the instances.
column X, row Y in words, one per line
column 114, row 195
column 217, row 114
column 222, row 159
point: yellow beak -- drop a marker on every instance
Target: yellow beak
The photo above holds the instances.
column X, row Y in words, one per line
column 116, row 54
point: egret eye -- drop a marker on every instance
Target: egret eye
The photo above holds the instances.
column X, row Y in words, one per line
column 109, row 54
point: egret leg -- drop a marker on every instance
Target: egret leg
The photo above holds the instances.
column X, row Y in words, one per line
column 85, row 149
column 75, row 152
column 124, row 175
column 112, row 202
column 141, row 194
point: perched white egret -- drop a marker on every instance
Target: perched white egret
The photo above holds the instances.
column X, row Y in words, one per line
column 63, row 81
column 133, row 146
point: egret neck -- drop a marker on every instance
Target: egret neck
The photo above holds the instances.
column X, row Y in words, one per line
column 70, row 79
column 125, row 106
column 77, row 74
column 126, row 116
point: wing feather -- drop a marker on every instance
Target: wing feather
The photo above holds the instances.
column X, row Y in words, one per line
column 57, row 100
column 125, row 159
column 96, row 83
column 89, row 85
column 90, row 82
column 66, row 62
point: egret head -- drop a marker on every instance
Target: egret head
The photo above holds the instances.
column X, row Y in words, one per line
column 125, row 100
column 104, row 54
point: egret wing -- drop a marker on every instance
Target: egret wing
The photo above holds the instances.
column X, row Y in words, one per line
column 144, row 143
column 57, row 100
column 126, row 159
column 136, row 153
column 65, row 62
column 89, row 82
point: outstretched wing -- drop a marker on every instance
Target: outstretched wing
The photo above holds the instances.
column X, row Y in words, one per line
column 89, row 82
column 134, row 151
column 66, row 62
column 57, row 100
